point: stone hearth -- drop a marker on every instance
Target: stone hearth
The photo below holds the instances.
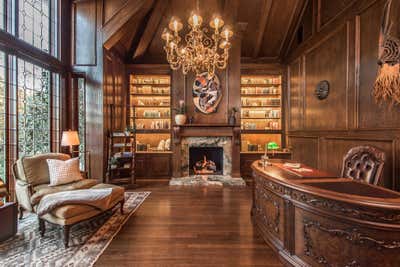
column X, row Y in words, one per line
column 207, row 180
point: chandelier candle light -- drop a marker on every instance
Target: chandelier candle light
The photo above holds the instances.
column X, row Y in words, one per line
column 201, row 52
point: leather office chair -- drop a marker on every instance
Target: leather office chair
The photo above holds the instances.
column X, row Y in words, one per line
column 363, row 163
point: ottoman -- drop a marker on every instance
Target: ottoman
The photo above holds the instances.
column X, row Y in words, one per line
column 69, row 215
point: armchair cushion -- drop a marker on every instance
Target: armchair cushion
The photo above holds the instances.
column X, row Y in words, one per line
column 44, row 189
column 34, row 169
column 64, row 171
column 69, row 211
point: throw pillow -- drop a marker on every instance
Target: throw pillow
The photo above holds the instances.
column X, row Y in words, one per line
column 64, row 172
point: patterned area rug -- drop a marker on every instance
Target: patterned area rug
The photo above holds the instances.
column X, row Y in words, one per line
column 87, row 242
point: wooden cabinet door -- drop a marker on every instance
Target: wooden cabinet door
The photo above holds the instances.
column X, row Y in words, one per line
column 140, row 165
column 245, row 165
column 159, row 166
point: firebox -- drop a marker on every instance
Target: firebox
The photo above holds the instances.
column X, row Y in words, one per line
column 206, row 160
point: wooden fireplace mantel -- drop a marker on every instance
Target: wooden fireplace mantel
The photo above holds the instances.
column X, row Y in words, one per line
column 212, row 130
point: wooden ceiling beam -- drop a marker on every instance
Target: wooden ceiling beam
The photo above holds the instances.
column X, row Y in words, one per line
column 151, row 28
column 265, row 11
column 293, row 26
column 130, row 9
column 231, row 8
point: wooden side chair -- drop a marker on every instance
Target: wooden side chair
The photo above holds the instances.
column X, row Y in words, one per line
column 363, row 163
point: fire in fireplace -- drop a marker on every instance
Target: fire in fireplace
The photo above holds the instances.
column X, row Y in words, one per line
column 205, row 160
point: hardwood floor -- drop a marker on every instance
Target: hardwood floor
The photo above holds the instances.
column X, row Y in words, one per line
column 190, row 227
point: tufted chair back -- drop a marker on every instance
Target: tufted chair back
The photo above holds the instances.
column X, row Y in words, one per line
column 363, row 163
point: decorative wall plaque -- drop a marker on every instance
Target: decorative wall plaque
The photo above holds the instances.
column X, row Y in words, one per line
column 207, row 93
column 322, row 90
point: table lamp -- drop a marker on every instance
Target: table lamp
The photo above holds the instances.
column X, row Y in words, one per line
column 272, row 146
column 70, row 139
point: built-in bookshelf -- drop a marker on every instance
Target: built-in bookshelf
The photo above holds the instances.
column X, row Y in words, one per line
column 150, row 112
column 261, row 112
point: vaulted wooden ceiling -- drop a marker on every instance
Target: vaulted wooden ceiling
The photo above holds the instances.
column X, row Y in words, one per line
column 133, row 27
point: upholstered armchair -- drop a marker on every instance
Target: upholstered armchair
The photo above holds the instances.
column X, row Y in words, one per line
column 364, row 163
column 32, row 184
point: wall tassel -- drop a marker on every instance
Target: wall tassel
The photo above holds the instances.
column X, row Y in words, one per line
column 387, row 83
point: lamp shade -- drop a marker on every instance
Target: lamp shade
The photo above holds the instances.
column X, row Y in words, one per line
column 70, row 138
column 272, row 146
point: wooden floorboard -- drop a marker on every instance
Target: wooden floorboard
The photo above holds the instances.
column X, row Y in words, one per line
column 190, row 227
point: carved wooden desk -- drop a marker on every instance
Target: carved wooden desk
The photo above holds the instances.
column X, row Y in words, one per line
column 325, row 221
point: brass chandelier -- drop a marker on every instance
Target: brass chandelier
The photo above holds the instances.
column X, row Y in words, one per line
column 200, row 52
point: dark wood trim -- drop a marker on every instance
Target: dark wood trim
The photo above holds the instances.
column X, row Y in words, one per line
column 23, row 50
column 260, row 60
column 73, row 33
column 294, row 18
column 151, row 28
column 294, row 25
column 148, row 69
column 253, row 68
column 329, row 28
column 131, row 8
column 265, row 11
column 357, row 59
column 319, row 20
column 8, row 142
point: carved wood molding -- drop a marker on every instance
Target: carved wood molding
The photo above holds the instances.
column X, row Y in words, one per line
column 236, row 136
column 263, row 196
column 276, row 188
column 353, row 235
column 177, row 134
column 346, row 210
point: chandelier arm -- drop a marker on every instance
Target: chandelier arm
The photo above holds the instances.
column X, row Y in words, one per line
column 201, row 50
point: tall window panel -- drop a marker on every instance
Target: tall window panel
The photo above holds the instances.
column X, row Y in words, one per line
column 38, row 24
column 3, row 114
column 82, row 122
column 2, row 14
column 55, row 114
column 33, row 109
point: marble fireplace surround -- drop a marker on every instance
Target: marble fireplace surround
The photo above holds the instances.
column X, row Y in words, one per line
column 224, row 135
column 225, row 142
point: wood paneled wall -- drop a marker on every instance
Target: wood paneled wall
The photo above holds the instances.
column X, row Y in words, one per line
column 105, row 76
column 343, row 49
column 115, row 92
column 86, row 32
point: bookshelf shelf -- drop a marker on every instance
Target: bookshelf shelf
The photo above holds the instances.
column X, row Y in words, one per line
column 261, row 112
column 150, row 112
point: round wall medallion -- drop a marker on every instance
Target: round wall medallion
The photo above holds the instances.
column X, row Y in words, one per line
column 322, row 90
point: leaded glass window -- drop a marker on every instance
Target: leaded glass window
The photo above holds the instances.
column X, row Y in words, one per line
column 38, row 24
column 3, row 114
column 82, row 122
column 56, row 123
column 33, row 109
column 2, row 14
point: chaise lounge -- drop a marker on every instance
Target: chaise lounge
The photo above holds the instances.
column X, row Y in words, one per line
column 32, row 184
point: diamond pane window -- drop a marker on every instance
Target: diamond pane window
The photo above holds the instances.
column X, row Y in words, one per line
column 38, row 24
column 33, row 109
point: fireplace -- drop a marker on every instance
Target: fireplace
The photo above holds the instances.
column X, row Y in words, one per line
column 206, row 160
column 222, row 143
